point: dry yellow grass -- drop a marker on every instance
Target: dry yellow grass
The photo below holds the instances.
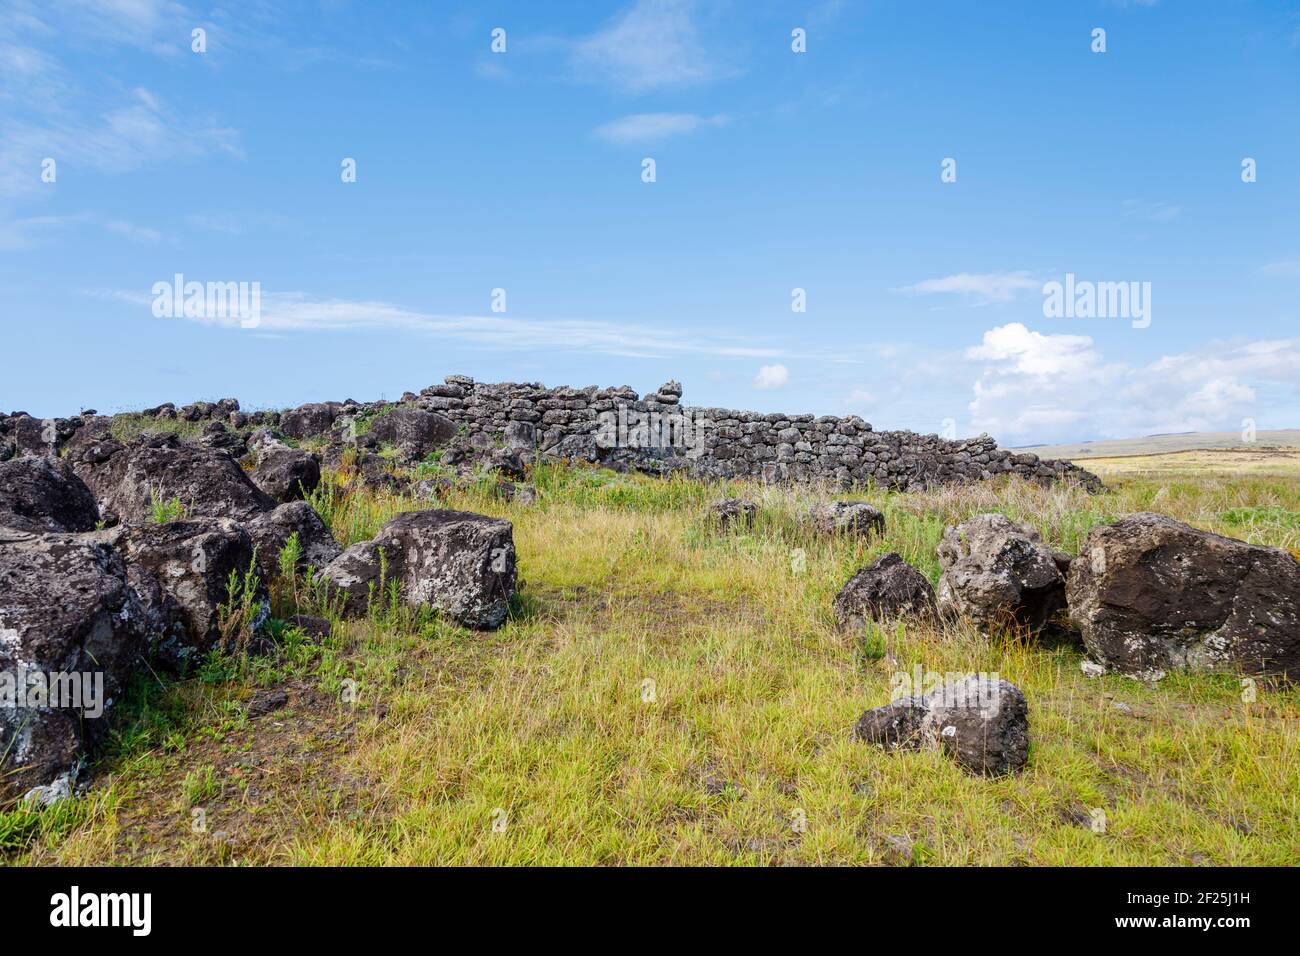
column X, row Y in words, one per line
column 1223, row 464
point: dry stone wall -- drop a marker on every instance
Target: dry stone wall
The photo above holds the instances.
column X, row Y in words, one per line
column 657, row 433
column 616, row 427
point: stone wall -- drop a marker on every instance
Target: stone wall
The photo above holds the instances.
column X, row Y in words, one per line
column 616, row 427
column 657, row 433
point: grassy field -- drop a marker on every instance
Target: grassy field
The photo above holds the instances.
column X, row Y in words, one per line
column 668, row 693
column 1086, row 452
column 1221, row 464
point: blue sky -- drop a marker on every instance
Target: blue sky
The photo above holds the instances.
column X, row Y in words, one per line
column 775, row 170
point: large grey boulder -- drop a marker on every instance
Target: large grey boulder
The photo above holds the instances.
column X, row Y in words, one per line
column 999, row 574
column 887, row 588
column 68, row 618
column 416, row 431
column 846, row 517
column 981, row 722
column 1153, row 595
column 182, row 573
column 307, row 421
column 271, row 531
column 459, row 563
column 520, row 436
column 44, row 494
column 207, row 482
column 286, row 474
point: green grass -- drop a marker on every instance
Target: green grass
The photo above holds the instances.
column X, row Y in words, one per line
column 666, row 693
column 131, row 425
column 164, row 510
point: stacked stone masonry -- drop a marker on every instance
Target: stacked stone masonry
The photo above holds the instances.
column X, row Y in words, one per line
column 618, row 428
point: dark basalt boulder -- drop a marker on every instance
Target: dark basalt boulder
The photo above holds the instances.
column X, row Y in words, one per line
column 415, row 431
column 207, row 482
column 216, row 435
column 999, row 574
column 887, row 588
column 40, row 436
column 307, row 421
column 182, row 573
column 460, row 563
column 66, row 608
column 286, row 474
column 271, row 531
column 44, row 494
column 1152, row 595
column 979, row 722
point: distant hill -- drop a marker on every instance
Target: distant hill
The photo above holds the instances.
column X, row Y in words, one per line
column 1164, row 444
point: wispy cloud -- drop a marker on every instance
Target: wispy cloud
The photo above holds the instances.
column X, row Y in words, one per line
column 654, row 127
column 138, row 132
column 298, row 312
column 1150, row 211
column 983, row 288
column 651, row 45
column 1283, row 269
column 1044, row 387
column 29, row 232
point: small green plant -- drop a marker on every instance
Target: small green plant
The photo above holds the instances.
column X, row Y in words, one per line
column 164, row 510
column 243, row 612
column 217, row 668
column 290, row 556
column 873, row 644
column 200, row 784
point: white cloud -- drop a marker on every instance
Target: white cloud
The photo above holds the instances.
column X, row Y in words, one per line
column 983, row 287
column 1032, row 387
column 772, row 376
column 131, row 231
column 301, row 313
column 27, row 233
column 160, row 26
column 1285, row 269
column 1033, row 354
column 137, row 132
column 654, row 44
column 1150, row 211
column 652, row 127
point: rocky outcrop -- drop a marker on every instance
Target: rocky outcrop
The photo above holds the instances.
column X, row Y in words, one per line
column 1153, row 595
column 999, row 574
column 208, row 483
column 307, row 421
column 887, row 588
column 459, row 563
column 181, row 572
column 414, row 431
column 43, row 494
column 271, row 531
column 69, row 620
column 286, row 474
column 846, row 517
column 982, row 723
